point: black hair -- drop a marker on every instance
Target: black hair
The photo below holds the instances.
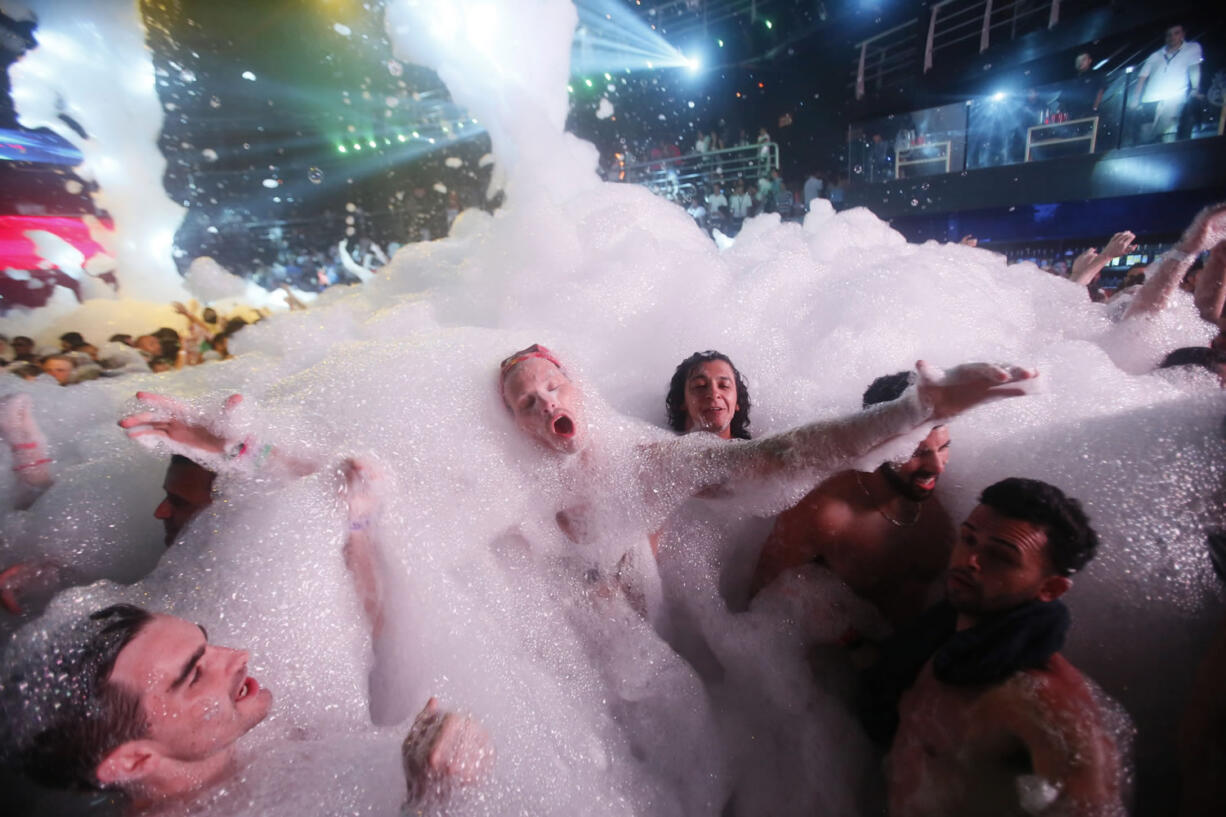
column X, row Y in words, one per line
column 1203, row 356
column 88, row 726
column 121, row 338
column 887, row 387
column 675, row 401
column 73, row 339
column 1071, row 542
column 22, row 339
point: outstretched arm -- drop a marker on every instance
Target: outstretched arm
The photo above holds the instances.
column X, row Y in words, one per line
column 830, row 444
column 1206, row 231
column 212, row 442
column 1090, row 263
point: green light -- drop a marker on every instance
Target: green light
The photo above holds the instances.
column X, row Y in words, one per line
column 373, row 143
column 341, row 149
column 416, row 135
column 357, row 146
column 570, row 88
column 769, row 24
column 721, row 43
column 608, row 76
column 588, row 82
column 400, row 137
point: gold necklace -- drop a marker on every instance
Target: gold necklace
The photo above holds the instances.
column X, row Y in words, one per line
column 919, row 509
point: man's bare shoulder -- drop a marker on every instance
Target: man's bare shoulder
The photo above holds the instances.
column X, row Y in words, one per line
column 1056, row 696
column 832, row 504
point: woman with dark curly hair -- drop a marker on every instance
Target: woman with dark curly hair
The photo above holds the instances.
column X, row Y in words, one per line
column 707, row 393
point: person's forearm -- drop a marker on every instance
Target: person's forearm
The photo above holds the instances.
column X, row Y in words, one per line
column 823, row 446
column 1194, row 78
column 1211, row 287
column 1157, row 289
column 1086, row 276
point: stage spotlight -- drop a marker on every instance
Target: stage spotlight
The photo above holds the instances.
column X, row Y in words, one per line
column 693, row 64
column 998, row 96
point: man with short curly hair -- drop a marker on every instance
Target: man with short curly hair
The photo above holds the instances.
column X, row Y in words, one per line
column 997, row 721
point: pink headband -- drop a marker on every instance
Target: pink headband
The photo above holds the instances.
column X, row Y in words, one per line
column 535, row 350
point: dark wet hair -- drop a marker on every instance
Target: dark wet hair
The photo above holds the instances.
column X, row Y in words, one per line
column 887, row 387
column 1203, row 356
column 675, row 401
column 102, row 716
column 27, row 371
column 1071, row 542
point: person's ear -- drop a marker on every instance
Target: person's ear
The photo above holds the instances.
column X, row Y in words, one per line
column 1053, row 587
column 128, row 764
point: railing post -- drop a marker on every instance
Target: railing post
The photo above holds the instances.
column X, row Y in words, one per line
column 932, row 33
column 860, row 71
column 987, row 26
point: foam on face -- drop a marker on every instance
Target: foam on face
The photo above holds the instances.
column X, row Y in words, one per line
column 590, row 711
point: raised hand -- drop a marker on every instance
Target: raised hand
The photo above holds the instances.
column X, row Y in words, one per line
column 171, row 425
column 442, row 750
column 1121, row 243
column 952, row 392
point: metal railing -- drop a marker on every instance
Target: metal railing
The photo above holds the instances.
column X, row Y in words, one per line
column 886, row 57
column 673, row 176
column 954, row 22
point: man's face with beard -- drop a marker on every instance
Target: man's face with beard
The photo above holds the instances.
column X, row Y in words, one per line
column 917, row 477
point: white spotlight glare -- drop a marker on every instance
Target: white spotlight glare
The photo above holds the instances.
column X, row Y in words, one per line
column 693, row 63
column 998, row 96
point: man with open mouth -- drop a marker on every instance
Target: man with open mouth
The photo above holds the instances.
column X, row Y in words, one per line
column 883, row 533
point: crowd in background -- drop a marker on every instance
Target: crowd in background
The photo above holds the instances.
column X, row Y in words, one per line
column 77, row 360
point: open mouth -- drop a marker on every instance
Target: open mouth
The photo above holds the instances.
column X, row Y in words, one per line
column 246, row 689
column 960, row 580
column 563, row 426
column 925, row 483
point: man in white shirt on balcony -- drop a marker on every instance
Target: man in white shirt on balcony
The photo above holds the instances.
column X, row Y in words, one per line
column 1168, row 79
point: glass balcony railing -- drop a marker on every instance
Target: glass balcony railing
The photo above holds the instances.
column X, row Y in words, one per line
column 1084, row 115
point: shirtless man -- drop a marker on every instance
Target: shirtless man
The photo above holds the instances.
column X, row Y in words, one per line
column 143, row 703
column 998, row 722
column 883, row 533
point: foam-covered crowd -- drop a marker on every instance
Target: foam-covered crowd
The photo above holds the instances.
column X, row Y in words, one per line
column 871, row 622
column 495, row 540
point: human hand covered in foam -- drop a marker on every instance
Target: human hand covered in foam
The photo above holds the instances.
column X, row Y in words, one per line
column 213, row 442
column 443, row 750
column 1205, row 232
column 949, row 392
